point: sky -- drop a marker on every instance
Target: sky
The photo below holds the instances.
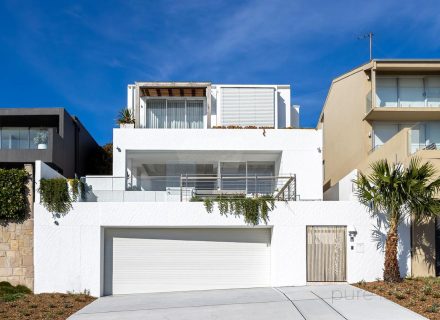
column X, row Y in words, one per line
column 81, row 55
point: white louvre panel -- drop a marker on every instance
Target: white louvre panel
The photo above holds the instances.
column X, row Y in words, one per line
column 162, row 260
column 248, row 106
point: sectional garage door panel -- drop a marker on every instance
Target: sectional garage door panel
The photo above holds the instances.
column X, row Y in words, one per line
column 161, row 260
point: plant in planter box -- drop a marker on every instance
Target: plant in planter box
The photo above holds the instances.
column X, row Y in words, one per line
column 125, row 118
column 41, row 140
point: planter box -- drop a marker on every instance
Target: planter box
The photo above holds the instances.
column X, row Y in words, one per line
column 126, row 125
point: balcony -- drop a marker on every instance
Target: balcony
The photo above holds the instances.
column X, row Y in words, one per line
column 407, row 143
column 187, row 188
column 405, row 98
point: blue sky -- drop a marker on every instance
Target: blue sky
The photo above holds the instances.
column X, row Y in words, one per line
column 82, row 54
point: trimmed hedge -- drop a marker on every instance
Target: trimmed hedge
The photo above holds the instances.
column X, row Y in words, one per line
column 13, row 202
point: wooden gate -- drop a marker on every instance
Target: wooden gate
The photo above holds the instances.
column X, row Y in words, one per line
column 326, row 253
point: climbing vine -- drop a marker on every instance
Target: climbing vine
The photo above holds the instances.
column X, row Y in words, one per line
column 254, row 210
column 55, row 195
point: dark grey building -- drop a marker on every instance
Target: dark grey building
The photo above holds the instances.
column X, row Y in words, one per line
column 51, row 135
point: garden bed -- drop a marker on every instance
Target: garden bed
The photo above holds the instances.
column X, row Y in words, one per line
column 19, row 303
column 421, row 295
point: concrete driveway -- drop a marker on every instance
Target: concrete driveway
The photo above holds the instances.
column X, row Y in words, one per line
column 311, row 302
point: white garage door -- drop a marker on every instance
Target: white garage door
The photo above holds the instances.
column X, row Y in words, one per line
column 180, row 259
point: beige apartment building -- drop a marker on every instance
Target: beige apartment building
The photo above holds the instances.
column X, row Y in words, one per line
column 384, row 109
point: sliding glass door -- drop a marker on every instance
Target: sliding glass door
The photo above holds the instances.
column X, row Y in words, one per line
column 175, row 113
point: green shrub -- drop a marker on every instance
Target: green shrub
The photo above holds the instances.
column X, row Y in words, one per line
column 11, row 297
column 10, row 293
column 55, row 195
column 13, row 202
column 427, row 289
column 433, row 308
column 399, row 295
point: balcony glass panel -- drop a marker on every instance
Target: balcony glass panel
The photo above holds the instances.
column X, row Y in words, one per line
column 384, row 132
column 433, row 91
column 232, row 171
column 260, row 170
column 425, row 135
column 386, row 92
column 411, row 92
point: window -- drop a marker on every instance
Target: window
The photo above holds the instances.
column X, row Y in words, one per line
column 14, row 138
column 408, row 92
column 22, row 138
column 175, row 113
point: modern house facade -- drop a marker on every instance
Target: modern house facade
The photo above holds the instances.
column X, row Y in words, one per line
column 391, row 111
column 144, row 229
column 48, row 134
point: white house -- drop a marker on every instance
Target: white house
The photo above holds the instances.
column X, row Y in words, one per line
column 140, row 230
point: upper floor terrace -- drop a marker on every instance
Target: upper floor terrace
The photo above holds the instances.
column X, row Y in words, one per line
column 176, row 165
column 202, row 105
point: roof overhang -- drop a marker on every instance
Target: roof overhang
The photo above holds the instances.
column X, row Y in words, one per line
column 173, row 89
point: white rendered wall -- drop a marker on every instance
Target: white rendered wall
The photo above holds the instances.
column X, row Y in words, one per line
column 68, row 251
column 68, row 256
column 300, row 149
column 343, row 190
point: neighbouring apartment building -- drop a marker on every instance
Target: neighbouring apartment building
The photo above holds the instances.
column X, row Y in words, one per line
column 60, row 140
column 51, row 135
column 384, row 109
column 144, row 229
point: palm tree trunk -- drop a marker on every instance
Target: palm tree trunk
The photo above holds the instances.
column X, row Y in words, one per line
column 391, row 271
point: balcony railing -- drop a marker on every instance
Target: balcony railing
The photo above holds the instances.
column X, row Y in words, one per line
column 186, row 187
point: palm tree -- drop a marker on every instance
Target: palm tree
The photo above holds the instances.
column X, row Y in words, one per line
column 399, row 193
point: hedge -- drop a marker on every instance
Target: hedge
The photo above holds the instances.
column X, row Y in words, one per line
column 13, row 194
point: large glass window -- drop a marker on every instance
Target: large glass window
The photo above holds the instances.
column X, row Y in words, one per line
column 175, row 113
column 23, row 138
column 408, row 91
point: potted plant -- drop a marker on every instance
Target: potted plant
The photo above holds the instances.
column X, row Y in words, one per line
column 41, row 140
column 125, row 118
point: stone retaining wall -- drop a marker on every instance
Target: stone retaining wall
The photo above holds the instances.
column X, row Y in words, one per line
column 17, row 247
